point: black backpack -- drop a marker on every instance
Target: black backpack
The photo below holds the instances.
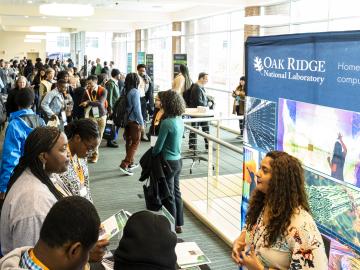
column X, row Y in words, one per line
column 120, row 114
column 32, row 120
column 187, row 96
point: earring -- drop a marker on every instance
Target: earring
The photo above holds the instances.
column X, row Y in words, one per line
column 44, row 167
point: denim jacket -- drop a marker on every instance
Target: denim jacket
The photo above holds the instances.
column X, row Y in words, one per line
column 53, row 103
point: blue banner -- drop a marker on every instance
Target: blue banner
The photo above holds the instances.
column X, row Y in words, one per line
column 322, row 68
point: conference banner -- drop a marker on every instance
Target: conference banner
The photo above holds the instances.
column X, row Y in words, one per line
column 304, row 98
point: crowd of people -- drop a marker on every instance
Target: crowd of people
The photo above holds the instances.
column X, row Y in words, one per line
column 56, row 121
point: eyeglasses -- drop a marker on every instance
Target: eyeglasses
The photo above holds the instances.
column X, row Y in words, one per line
column 90, row 148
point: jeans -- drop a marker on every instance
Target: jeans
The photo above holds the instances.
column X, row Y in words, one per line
column 132, row 137
column 174, row 203
column 143, row 108
column 192, row 135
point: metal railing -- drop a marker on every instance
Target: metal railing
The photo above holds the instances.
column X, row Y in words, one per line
column 211, row 178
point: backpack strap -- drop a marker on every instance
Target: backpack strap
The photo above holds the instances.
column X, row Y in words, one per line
column 32, row 120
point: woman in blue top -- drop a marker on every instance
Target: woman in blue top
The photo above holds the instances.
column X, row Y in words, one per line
column 168, row 144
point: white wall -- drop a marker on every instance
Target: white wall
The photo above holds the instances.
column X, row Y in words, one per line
column 12, row 45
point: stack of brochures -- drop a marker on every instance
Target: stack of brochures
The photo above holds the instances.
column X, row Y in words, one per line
column 189, row 255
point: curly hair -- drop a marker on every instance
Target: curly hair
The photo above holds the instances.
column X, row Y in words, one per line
column 285, row 195
column 172, row 103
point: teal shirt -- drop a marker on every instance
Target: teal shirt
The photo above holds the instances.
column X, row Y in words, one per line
column 170, row 138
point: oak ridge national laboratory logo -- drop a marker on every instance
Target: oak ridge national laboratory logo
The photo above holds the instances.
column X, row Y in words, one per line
column 258, row 64
column 311, row 71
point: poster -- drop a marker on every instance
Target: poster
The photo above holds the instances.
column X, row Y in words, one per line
column 129, row 62
column 179, row 59
column 150, row 65
column 140, row 58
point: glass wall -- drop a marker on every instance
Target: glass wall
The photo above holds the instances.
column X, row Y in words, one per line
column 158, row 41
column 216, row 44
column 122, row 44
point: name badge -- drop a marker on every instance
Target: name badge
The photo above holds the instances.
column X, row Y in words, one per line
column 153, row 140
column 63, row 116
column 95, row 111
column 83, row 191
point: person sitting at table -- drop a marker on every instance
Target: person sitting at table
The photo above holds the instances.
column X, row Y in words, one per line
column 280, row 232
column 147, row 244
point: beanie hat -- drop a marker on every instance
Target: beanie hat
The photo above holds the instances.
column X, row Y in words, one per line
column 147, row 243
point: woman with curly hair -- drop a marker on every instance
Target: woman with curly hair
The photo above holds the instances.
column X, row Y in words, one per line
column 168, row 144
column 280, row 232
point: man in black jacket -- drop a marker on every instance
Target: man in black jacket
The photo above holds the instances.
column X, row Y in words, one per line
column 198, row 97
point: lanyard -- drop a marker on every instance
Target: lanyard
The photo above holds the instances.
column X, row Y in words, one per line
column 91, row 96
column 36, row 260
column 77, row 168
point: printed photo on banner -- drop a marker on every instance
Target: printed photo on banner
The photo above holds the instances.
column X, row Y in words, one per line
column 260, row 123
column 323, row 138
column 336, row 208
column 341, row 257
column 251, row 165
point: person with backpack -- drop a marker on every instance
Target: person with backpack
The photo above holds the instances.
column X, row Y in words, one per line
column 21, row 123
column 95, row 104
column 135, row 122
column 112, row 86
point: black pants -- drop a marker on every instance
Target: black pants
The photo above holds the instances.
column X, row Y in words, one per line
column 241, row 121
column 174, row 203
column 193, row 137
column 143, row 108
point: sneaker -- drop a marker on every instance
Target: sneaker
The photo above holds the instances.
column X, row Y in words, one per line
column 133, row 166
column 178, row 229
column 126, row 171
column 112, row 144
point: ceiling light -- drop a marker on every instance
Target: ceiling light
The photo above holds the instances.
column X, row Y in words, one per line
column 66, row 10
column 35, row 37
column 32, row 40
column 68, row 18
column 47, row 29
column 43, row 17
column 26, row 17
column 29, row 2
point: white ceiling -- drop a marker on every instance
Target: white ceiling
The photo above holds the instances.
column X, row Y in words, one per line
column 115, row 15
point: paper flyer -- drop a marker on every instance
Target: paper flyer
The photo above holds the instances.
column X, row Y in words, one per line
column 189, row 254
column 113, row 225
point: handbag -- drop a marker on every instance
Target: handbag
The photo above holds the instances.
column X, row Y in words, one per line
column 152, row 201
column 109, row 131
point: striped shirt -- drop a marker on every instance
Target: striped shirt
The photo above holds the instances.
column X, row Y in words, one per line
column 28, row 263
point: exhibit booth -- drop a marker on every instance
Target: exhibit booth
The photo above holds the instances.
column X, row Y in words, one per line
column 304, row 98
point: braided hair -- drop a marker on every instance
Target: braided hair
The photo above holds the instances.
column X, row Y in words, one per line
column 87, row 129
column 40, row 140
